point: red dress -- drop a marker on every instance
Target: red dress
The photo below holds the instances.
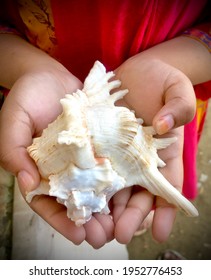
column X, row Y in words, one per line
column 79, row 32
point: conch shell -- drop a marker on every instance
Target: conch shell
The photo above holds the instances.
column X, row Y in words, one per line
column 94, row 149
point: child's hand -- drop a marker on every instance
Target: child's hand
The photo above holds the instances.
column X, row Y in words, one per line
column 31, row 105
column 162, row 96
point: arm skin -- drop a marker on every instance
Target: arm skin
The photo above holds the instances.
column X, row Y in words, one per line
column 183, row 53
column 37, row 82
column 160, row 91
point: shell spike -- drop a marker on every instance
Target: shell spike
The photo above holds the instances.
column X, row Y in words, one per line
column 109, row 75
column 114, row 84
column 96, row 74
column 118, row 95
column 163, row 143
column 161, row 187
column 149, row 129
column 140, row 120
column 65, row 104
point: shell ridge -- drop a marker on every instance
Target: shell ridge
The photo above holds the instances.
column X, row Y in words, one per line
column 94, row 149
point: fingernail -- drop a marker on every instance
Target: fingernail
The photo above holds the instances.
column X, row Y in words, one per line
column 164, row 124
column 26, row 181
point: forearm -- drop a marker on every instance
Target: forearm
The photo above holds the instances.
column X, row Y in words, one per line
column 18, row 57
column 185, row 54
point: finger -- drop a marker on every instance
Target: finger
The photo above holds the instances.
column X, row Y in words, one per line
column 163, row 221
column 179, row 106
column 137, row 209
column 16, row 135
column 99, row 230
column 165, row 213
column 107, row 223
column 120, row 201
column 173, row 157
column 55, row 215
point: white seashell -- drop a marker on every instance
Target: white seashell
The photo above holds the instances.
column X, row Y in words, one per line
column 94, row 149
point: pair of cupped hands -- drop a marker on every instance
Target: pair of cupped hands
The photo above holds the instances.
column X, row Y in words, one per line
column 159, row 93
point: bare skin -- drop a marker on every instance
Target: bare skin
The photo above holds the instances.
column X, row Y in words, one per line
column 160, row 83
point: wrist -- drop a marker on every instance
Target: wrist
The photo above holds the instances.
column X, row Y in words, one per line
column 18, row 59
column 185, row 54
column 53, row 70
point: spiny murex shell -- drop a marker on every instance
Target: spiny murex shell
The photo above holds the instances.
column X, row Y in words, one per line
column 94, row 149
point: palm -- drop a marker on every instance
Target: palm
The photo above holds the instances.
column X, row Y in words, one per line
column 146, row 98
column 31, row 105
column 34, row 102
column 41, row 100
column 45, row 109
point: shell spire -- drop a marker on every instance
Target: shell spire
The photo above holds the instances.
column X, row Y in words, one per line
column 94, row 149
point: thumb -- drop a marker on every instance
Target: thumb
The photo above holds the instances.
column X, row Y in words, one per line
column 15, row 137
column 179, row 106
